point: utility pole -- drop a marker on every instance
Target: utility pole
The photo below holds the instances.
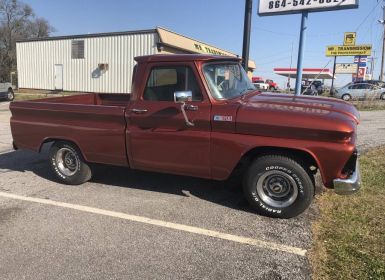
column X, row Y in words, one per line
column 291, row 63
column 382, row 21
column 246, row 34
column 334, row 76
column 372, row 64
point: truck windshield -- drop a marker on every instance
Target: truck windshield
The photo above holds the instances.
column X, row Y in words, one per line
column 227, row 80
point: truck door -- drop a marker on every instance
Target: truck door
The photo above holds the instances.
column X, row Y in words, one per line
column 158, row 138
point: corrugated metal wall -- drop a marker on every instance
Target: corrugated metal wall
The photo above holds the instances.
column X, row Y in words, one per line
column 36, row 61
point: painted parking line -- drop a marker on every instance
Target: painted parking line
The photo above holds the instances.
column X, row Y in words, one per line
column 205, row 232
column 6, row 152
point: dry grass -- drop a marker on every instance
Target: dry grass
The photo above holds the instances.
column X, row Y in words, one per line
column 369, row 105
column 349, row 237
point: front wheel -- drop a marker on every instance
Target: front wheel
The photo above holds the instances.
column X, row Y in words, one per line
column 68, row 164
column 346, row 97
column 278, row 186
column 382, row 97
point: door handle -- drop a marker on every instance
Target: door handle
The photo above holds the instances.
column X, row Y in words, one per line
column 139, row 111
column 190, row 107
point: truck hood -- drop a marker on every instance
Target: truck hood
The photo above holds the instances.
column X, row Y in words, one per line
column 298, row 117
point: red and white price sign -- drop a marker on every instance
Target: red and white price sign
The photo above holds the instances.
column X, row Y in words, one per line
column 361, row 72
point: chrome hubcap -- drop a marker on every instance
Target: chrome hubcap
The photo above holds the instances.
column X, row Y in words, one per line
column 277, row 189
column 67, row 162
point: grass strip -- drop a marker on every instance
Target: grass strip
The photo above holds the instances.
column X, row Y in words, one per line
column 349, row 237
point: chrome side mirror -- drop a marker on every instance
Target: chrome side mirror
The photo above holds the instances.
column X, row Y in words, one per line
column 182, row 96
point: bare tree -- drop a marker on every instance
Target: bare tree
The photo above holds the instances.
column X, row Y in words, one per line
column 17, row 22
column 38, row 28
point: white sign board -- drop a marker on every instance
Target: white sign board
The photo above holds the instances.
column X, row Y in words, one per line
column 346, row 68
column 270, row 7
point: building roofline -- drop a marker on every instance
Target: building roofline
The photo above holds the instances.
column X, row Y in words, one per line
column 93, row 35
column 193, row 39
column 185, row 57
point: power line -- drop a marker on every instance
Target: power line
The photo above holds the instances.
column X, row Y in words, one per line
column 371, row 11
column 275, row 32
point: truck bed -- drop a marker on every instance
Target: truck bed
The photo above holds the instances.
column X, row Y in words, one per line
column 119, row 100
column 94, row 122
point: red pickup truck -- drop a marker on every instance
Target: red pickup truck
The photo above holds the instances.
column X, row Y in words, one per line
column 199, row 115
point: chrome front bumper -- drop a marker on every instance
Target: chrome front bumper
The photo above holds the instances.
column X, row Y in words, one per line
column 350, row 185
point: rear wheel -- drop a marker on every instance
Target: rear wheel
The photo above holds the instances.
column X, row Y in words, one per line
column 68, row 164
column 278, row 186
column 346, row 97
column 10, row 95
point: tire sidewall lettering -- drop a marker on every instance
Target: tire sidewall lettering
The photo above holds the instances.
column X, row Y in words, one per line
column 293, row 174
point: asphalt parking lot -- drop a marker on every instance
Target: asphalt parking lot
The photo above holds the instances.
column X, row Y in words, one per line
column 139, row 225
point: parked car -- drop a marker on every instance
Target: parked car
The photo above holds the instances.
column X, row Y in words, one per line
column 319, row 85
column 200, row 115
column 261, row 85
column 312, row 87
column 309, row 88
column 360, row 91
column 272, row 85
column 373, row 82
column 6, row 91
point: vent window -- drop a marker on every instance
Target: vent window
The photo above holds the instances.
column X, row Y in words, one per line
column 77, row 50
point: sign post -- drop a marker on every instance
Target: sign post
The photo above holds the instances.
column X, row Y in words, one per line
column 281, row 7
column 358, row 68
column 334, row 74
column 298, row 82
column 246, row 34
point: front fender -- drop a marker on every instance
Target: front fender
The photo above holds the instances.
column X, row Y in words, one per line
column 229, row 149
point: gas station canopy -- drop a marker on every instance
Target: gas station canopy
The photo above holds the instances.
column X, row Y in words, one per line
column 308, row 73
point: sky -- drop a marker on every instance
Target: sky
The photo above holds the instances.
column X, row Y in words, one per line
column 220, row 23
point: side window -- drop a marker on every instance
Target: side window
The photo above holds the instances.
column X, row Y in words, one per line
column 362, row 86
column 164, row 81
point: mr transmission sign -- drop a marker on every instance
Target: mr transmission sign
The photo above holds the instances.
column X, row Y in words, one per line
column 273, row 7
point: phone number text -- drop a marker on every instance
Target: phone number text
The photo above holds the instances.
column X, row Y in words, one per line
column 294, row 3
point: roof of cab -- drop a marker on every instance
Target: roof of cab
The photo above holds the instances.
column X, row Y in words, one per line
column 183, row 57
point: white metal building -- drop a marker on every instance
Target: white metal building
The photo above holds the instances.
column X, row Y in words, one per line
column 97, row 62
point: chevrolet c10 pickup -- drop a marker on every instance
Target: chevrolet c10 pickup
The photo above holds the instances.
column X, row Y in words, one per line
column 200, row 115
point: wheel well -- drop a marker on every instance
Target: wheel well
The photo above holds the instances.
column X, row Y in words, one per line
column 46, row 142
column 295, row 154
column 50, row 141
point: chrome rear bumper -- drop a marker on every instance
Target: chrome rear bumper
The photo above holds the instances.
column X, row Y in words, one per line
column 350, row 185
